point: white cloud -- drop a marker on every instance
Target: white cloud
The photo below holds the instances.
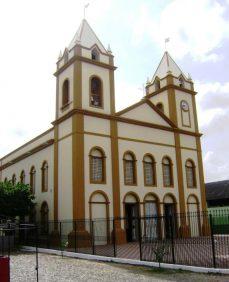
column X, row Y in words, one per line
column 216, row 167
column 213, row 111
column 194, row 27
column 31, row 39
column 127, row 94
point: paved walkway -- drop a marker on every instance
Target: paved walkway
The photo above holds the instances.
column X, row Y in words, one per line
column 57, row 269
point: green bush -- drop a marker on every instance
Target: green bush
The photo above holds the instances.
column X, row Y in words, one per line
column 15, row 200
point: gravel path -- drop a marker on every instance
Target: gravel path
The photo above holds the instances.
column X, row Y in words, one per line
column 57, row 269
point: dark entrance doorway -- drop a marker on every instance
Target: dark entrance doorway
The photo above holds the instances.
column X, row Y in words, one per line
column 170, row 220
column 132, row 214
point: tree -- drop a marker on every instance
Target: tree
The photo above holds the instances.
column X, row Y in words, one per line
column 15, row 200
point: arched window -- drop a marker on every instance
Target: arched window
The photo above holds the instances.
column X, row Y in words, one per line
column 5, row 180
column 160, row 107
column 32, row 179
column 22, row 177
column 96, row 92
column 95, row 54
column 170, row 218
column 149, row 167
column 99, row 209
column 97, row 166
column 65, row 93
column 167, row 172
column 129, row 163
column 194, row 215
column 157, row 84
column 44, row 177
column 190, row 174
column 181, row 81
column 151, row 209
column 14, row 179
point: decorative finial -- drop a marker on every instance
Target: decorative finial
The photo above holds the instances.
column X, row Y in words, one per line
column 109, row 49
column 166, row 41
column 189, row 77
column 84, row 11
column 142, row 89
column 60, row 55
column 147, row 81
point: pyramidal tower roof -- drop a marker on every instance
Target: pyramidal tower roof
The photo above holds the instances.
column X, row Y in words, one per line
column 85, row 36
column 167, row 64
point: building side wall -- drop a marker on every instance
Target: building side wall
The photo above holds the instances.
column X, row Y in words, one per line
column 65, row 128
column 65, row 178
column 96, row 125
column 35, row 160
column 188, row 141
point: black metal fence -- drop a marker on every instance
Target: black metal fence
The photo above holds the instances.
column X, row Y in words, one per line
column 198, row 239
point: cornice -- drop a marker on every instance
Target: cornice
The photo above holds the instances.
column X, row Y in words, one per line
column 28, row 153
column 27, row 143
column 170, row 86
column 125, row 120
column 85, row 60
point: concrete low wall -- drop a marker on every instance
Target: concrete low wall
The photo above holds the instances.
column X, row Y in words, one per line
column 128, row 261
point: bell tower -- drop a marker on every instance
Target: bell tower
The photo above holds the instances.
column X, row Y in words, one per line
column 85, row 75
column 174, row 94
column 84, row 83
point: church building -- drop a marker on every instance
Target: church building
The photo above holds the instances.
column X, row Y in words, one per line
column 95, row 162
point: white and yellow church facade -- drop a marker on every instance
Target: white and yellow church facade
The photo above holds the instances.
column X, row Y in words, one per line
column 98, row 163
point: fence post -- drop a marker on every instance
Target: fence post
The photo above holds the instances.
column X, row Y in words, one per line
column 172, row 237
column 140, row 237
column 92, row 237
column 8, row 243
column 212, row 240
column 48, row 239
column 2, row 243
column 75, row 233
column 60, row 237
column 114, row 238
column 36, row 238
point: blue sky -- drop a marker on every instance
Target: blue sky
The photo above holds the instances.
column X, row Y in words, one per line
column 33, row 32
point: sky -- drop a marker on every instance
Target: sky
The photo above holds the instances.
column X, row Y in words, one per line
column 34, row 32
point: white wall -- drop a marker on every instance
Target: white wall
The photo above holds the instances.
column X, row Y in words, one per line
column 161, row 98
column 145, row 113
column 36, row 160
column 65, row 206
column 140, row 149
column 180, row 95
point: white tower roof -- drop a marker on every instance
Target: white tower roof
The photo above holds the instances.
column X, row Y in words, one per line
column 85, row 36
column 167, row 64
